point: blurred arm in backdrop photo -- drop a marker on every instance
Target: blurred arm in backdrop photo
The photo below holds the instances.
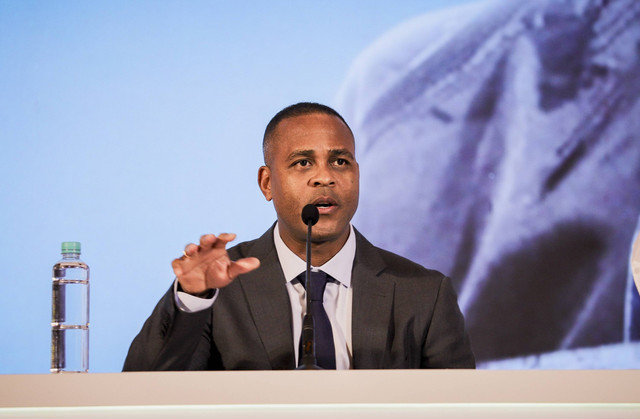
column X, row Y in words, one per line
column 513, row 129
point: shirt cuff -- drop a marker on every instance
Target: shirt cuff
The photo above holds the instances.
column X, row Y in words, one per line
column 190, row 303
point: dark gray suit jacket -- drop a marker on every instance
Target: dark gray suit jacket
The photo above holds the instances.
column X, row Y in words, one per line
column 404, row 316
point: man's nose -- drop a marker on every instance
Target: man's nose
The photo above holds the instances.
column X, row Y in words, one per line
column 322, row 176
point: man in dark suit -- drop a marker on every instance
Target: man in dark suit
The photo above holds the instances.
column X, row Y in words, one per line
column 242, row 308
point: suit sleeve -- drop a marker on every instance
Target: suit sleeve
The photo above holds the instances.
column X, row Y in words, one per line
column 172, row 340
column 447, row 344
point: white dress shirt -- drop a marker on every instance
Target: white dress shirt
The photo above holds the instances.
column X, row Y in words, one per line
column 337, row 295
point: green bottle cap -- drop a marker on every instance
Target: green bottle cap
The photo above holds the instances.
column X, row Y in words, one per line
column 70, row 247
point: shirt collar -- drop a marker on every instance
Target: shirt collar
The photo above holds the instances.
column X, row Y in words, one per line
column 338, row 267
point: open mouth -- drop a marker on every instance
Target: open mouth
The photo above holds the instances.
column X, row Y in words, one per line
column 325, row 204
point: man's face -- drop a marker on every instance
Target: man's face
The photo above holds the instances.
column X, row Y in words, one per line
column 312, row 161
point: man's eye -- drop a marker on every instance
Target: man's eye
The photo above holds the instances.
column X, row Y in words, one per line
column 302, row 163
column 341, row 162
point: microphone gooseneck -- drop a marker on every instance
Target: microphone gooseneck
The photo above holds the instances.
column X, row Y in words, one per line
column 310, row 216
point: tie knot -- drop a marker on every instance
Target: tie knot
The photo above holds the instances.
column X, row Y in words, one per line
column 318, row 284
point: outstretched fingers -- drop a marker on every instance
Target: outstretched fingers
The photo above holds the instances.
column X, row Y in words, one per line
column 207, row 265
column 242, row 266
column 190, row 250
column 221, row 241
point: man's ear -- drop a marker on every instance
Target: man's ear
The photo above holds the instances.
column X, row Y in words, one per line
column 264, row 181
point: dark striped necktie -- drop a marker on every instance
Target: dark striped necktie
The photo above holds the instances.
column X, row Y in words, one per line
column 325, row 348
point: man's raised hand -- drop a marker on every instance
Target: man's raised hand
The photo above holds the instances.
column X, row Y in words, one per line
column 207, row 266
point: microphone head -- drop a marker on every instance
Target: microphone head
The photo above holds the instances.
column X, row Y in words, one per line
column 310, row 214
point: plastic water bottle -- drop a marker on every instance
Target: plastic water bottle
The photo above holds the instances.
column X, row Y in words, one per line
column 70, row 312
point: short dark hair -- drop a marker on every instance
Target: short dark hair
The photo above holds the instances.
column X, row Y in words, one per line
column 298, row 109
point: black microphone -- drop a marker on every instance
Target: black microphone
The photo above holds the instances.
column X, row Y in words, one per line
column 310, row 216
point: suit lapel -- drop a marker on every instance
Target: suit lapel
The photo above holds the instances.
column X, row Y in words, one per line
column 372, row 307
column 269, row 303
column 270, row 307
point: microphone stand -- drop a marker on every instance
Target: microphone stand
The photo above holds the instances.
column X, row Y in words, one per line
column 310, row 216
